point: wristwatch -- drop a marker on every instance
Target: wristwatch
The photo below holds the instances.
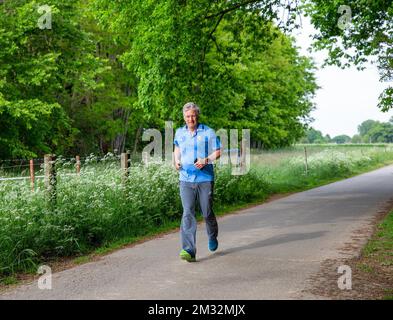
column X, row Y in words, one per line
column 206, row 160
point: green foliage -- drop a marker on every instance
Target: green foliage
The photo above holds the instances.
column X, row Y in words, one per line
column 270, row 84
column 315, row 136
column 376, row 132
column 241, row 69
column 378, row 251
column 39, row 70
column 366, row 126
column 341, row 139
column 369, row 35
column 370, row 131
column 325, row 164
column 383, row 132
column 230, row 189
column 105, row 70
column 356, row 139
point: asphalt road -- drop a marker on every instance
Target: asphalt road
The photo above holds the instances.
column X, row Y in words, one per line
column 265, row 252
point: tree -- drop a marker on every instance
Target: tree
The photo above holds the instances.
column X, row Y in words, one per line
column 42, row 70
column 341, row 139
column 313, row 136
column 71, row 93
column 106, row 70
column 369, row 34
column 242, row 70
column 366, row 126
column 356, row 139
column 382, row 132
column 374, row 131
column 109, row 116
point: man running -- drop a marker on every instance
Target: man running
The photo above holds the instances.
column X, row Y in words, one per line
column 196, row 147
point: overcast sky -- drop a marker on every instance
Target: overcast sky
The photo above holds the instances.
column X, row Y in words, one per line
column 347, row 97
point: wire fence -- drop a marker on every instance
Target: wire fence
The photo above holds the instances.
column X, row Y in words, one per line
column 41, row 168
column 50, row 166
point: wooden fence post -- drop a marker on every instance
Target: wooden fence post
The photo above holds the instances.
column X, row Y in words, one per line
column 32, row 174
column 129, row 157
column 305, row 156
column 78, row 165
column 124, row 166
column 50, row 176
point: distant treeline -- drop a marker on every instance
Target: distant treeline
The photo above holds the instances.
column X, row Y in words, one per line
column 369, row 131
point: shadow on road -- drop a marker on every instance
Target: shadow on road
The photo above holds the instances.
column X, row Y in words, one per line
column 280, row 239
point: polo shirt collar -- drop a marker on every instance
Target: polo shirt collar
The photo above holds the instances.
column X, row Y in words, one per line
column 199, row 128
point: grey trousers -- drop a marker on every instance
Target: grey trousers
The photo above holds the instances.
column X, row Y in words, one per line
column 190, row 193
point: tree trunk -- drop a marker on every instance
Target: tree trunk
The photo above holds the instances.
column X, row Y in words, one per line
column 137, row 135
column 120, row 141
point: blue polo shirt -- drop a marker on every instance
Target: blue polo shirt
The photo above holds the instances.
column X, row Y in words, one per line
column 200, row 144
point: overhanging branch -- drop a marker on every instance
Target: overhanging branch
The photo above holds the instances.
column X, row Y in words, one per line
column 232, row 8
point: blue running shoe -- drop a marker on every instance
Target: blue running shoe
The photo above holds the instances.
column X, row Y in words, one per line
column 213, row 244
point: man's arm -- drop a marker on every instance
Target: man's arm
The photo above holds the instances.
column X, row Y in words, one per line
column 204, row 161
column 214, row 156
column 176, row 157
column 215, row 143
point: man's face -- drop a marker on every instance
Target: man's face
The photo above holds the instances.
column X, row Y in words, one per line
column 191, row 119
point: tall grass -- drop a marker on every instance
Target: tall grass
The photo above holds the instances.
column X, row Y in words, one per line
column 97, row 208
column 286, row 168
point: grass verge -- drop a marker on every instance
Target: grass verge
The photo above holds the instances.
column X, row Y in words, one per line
column 377, row 258
column 371, row 270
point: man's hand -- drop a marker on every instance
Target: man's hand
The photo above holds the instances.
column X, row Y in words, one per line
column 176, row 158
column 177, row 165
column 201, row 162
